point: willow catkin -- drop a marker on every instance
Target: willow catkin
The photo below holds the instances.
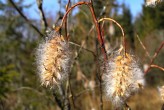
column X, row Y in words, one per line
column 53, row 59
column 123, row 77
column 161, row 92
column 152, row 3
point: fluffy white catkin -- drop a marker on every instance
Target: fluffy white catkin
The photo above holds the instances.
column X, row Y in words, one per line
column 161, row 92
column 123, row 77
column 53, row 59
column 152, row 3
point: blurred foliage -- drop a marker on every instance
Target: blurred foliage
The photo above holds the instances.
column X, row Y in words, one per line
column 19, row 84
column 149, row 26
column 151, row 18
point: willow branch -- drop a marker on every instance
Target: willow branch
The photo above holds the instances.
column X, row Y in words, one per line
column 100, row 38
column 70, row 9
column 89, row 4
column 43, row 18
column 72, row 94
column 156, row 66
column 26, row 19
column 98, row 28
column 99, row 76
column 154, row 56
column 67, row 7
column 122, row 31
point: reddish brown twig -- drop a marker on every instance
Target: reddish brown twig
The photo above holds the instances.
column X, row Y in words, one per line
column 156, row 66
column 123, row 34
column 98, row 28
column 89, row 4
column 67, row 7
column 100, row 38
column 154, row 56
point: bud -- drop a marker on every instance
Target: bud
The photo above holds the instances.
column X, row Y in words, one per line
column 53, row 59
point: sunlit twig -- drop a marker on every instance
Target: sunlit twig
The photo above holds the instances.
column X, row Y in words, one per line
column 156, row 66
column 147, row 53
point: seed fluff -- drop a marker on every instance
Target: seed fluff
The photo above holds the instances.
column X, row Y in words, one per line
column 161, row 92
column 53, row 58
column 122, row 78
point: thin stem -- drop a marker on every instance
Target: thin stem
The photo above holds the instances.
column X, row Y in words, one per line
column 26, row 19
column 43, row 18
column 83, row 48
column 156, row 66
column 147, row 53
column 153, row 58
column 123, row 34
column 67, row 7
column 66, row 100
column 72, row 94
column 99, row 76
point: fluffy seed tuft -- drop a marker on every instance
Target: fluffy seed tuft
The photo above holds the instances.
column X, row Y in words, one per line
column 161, row 92
column 53, row 59
column 152, row 3
column 122, row 78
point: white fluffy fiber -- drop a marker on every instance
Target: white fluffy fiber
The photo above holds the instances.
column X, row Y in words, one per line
column 127, row 82
column 56, row 56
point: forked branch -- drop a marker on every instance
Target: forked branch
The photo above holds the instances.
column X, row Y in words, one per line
column 89, row 4
column 154, row 56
